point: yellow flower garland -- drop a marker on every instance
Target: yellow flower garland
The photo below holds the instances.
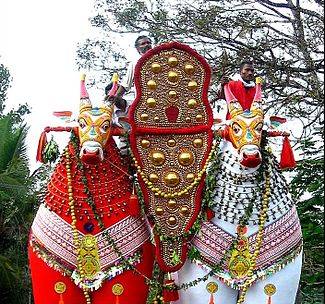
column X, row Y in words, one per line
column 266, row 197
column 73, row 224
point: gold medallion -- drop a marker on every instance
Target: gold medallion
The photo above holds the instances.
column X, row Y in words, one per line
column 212, row 287
column 117, row 289
column 270, row 289
column 60, row 287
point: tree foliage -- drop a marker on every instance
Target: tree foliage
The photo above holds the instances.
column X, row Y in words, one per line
column 16, row 210
column 4, row 85
column 285, row 40
column 17, row 199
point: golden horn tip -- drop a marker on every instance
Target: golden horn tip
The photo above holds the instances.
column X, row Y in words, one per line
column 258, row 80
column 115, row 77
column 83, row 76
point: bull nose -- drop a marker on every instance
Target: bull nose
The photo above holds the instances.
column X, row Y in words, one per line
column 85, row 152
column 250, row 160
column 256, row 156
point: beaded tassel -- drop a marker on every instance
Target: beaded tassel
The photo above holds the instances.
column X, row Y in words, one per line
column 134, row 204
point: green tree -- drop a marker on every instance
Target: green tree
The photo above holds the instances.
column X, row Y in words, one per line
column 15, row 211
column 308, row 189
column 4, row 85
column 285, row 39
column 17, row 198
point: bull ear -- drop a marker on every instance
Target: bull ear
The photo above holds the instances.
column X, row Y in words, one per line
column 256, row 106
column 233, row 105
column 85, row 103
column 110, row 99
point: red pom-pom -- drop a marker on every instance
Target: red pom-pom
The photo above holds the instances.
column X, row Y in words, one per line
column 287, row 159
column 170, row 294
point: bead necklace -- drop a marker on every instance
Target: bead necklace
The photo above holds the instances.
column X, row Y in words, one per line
column 195, row 254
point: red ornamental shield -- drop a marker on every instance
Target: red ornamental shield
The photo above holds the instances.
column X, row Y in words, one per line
column 171, row 139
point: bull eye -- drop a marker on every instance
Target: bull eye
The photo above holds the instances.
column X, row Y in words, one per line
column 236, row 128
column 82, row 124
column 259, row 127
column 105, row 126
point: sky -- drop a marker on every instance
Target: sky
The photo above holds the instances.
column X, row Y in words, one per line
column 38, row 42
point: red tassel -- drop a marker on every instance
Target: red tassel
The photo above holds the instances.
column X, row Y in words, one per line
column 210, row 214
column 287, row 158
column 61, row 299
column 117, row 300
column 41, row 144
column 269, row 300
column 134, row 205
column 211, row 299
column 170, row 294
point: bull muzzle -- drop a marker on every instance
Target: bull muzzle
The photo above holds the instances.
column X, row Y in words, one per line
column 250, row 157
column 91, row 153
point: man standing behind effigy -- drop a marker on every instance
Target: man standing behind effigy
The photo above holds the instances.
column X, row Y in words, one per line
column 242, row 85
column 142, row 44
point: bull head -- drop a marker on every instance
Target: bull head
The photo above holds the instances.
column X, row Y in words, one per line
column 94, row 127
column 245, row 128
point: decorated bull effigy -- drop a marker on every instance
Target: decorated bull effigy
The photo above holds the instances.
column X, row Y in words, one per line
column 85, row 246
column 225, row 227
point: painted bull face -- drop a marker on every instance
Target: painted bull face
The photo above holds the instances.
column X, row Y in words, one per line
column 245, row 132
column 94, row 131
column 94, row 128
column 245, row 128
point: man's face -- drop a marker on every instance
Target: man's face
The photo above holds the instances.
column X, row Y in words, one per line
column 144, row 45
column 247, row 72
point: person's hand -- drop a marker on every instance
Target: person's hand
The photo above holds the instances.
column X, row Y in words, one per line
column 224, row 79
column 120, row 103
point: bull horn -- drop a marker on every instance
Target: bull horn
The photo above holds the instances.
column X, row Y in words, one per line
column 85, row 103
column 110, row 98
column 233, row 105
column 258, row 93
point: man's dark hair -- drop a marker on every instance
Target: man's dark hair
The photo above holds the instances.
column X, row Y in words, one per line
column 243, row 63
column 140, row 38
